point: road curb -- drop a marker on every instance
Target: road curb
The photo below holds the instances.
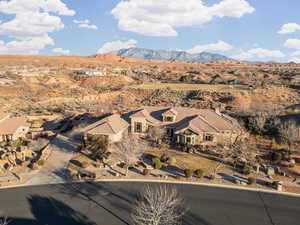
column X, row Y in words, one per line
column 168, row 182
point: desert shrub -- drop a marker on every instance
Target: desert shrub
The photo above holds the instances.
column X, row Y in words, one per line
column 188, row 173
column 251, row 180
column 41, row 162
column 292, row 165
column 200, row 173
column 146, row 172
column 246, row 169
column 276, row 156
column 157, row 163
column 212, row 177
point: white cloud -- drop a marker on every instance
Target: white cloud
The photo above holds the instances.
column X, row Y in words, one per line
column 32, row 22
column 61, row 51
column 85, row 24
column 259, row 53
column 292, row 43
column 218, row 46
column 160, row 18
column 117, row 45
column 296, row 53
column 289, row 28
column 295, row 60
column 30, row 46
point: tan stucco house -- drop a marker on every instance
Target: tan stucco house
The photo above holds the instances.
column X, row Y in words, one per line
column 12, row 128
column 112, row 126
column 186, row 125
column 183, row 125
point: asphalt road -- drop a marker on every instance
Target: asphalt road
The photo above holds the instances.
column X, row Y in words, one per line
column 110, row 204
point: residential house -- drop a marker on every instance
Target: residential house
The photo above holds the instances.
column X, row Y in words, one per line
column 183, row 125
column 186, row 125
column 12, row 128
column 113, row 127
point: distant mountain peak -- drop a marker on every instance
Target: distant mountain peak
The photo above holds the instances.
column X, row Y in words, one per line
column 165, row 55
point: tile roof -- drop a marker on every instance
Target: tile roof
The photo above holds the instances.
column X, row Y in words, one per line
column 204, row 120
column 110, row 125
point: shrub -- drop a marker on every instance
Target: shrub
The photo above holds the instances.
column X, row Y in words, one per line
column 146, row 172
column 292, row 165
column 212, row 177
column 200, row 173
column 188, row 173
column 246, row 169
column 41, row 162
column 276, row 156
column 251, row 180
column 157, row 163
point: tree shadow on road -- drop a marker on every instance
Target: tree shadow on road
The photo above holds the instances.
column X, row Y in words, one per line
column 50, row 211
column 192, row 219
column 115, row 201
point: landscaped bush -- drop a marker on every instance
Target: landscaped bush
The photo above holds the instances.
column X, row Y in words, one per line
column 251, row 180
column 188, row 173
column 157, row 163
column 292, row 165
column 246, row 169
column 276, row 156
column 146, row 172
column 200, row 173
column 41, row 162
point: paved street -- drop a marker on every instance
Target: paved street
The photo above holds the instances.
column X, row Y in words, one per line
column 110, row 203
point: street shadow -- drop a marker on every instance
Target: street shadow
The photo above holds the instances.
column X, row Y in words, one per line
column 50, row 211
column 64, row 174
column 173, row 170
column 192, row 219
column 113, row 200
column 228, row 177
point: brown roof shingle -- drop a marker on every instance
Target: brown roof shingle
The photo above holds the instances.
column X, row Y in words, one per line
column 204, row 120
column 110, row 125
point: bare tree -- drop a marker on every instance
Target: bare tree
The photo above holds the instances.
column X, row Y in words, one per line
column 289, row 133
column 130, row 150
column 158, row 205
column 156, row 133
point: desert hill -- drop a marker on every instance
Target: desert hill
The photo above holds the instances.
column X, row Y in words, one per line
column 73, row 83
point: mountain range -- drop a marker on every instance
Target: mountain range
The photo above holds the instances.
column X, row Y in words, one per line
column 164, row 55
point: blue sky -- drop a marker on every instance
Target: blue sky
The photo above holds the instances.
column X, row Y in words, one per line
column 245, row 29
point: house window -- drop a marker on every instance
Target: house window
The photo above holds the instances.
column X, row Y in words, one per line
column 188, row 140
column 208, row 137
column 170, row 132
column 137, row 127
